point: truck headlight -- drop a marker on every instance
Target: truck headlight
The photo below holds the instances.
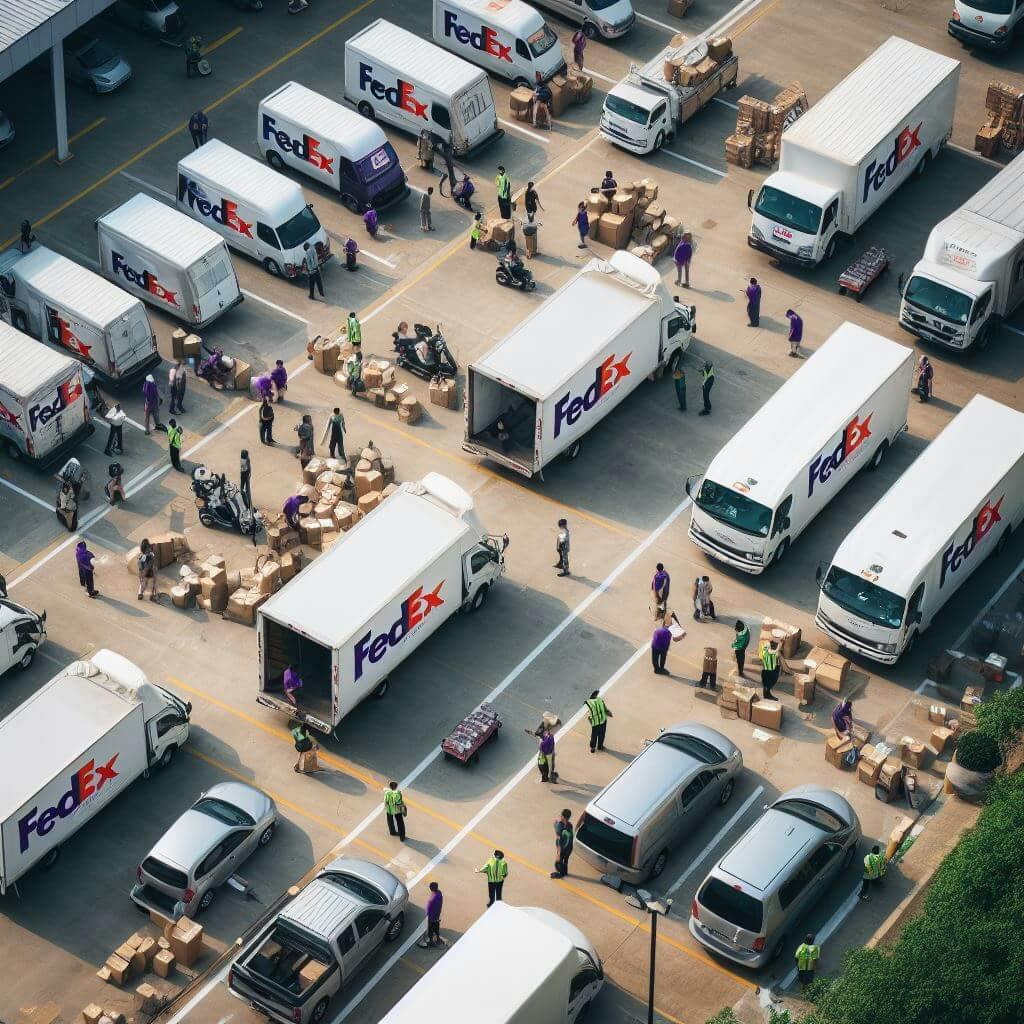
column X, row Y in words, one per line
column 753, row 556
column 755, row 232
column 887, row 648
column 805, row 251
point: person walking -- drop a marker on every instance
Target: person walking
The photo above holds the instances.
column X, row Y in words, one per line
column 435, row 901
column 598, row 712
column 303, row 745
column 425, row 222
column 659, row 589
column 925, row 374
column 84, row 559
column 579, row 45
column 660, row 643
column 351, row 248
column 198, row 128
column 546, row 755
column 172, row 387
column 496, row 870
column 115, row 439
column 151, row 401
column 562, row 548
column 448, row 152
column 193, row 55
column 67, row 506
column 542, row 100
column 245, row 475
column 769, row 669
column 114, row 487
column 740, row 644
column 796, row 332
column 266, row 421
column 563, row 843
column 874, row 867
column 395, row 810
column 531, row 202
column 370, row 221
column 354, row 329
column 311, row 265
column 681, row 257
column 174, row 433
column 25, row 236
column 304, row 428
column 753, row 294
column 807, row 957
column 582, row 224
column 504, row 186
column 334, row 433
column 476, row 231
column 679, row 383
column 707, row 382
column 147, row 570
column 703, row 606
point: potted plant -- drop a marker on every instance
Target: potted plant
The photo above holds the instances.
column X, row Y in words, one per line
column 974, row 764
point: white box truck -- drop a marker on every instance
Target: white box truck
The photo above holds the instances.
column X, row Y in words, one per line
column 422, row 556
column 255, row 210
column 301, row 129
column 72, row 747
column 44, row 411
column 643, row 111
column 572, row 361
column 66, row 305
column 547, row 972
column 841, row 160
column 839, row 413
column 393, row 75
column 972, row 274
column 168, row 260
column 956, row 504
column 510, row 39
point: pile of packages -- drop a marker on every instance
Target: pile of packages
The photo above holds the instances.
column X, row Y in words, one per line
column 634, row 215
column 188, row 348
column 678, row 8
column 495, row 233
column 167, row 547
column 759, row 126
column 1004, row 125
column 678, row 69
column 444, row 392
column 181, row 944
column 566, row 90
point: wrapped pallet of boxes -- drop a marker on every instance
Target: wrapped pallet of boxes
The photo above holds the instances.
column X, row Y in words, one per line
column 520, row 103
column 754, row 116
column 614, row 229
column 787, row 106
column 739, row 150
column 719, row 48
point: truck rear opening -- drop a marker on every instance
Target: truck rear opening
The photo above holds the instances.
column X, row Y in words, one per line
column 503, row 422
column 312, row 661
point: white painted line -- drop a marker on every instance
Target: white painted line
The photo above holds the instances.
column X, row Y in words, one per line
column 727, row 19
column 597, row 74
column 520, row 128
column 825, row 933
column 152, row 188
column 688, row 160
column 378, row 259
column 726, row 103
column 660, row 24
column 274, row 305
column 977, row 156
column 719, row 836
column 48, row 505
column 1010, row 327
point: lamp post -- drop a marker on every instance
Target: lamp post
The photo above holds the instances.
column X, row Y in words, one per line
column 643, row 900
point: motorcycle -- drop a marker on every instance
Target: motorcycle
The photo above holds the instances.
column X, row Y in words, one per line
column 440, row 361
column 511, row 273
column 224, row 506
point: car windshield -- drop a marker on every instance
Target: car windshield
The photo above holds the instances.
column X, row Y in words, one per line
column 991, row 6
column 222, row 811
column 630, row 111
column 807, row 811
column 734, row 509
column 299, row 229
column 377, row 163
column 601, row 5
column 605, row 841
column 542, row 40
column 96, row 56
column 699, row 750
column 864, row 598
column 940, row 299
column 783, row 208
column 731, row 905
column 358, row 887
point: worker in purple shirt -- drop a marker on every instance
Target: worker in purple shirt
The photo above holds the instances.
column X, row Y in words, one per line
column 434, row 903
column 659, row 588
column 753, row 294
column 84, row 559
column 292, row 682
column 796, row 332
column 681, row 257
column 660, row 643
column 291, row 510
column 546, row 755
column 279, row 375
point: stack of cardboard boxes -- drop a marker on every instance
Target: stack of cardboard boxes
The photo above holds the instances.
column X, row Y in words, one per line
column 566, row 90
column 181, row 944
column 444, row 392
column 168, row 548
column 634, row 215
column 685, row 66
column 185, row 346
column 759, row 126
column 1004, row 122
column 677, row 8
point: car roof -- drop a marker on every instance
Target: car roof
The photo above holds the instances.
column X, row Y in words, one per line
column 246, row 798
column 768, row 848
column 189, row 839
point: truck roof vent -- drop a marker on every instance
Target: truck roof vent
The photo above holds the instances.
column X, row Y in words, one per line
column 900, row 534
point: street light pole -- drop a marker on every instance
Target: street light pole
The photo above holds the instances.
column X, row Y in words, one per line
column 654, row 953
column 643, row 900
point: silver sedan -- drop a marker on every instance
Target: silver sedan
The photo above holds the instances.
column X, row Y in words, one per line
column 94, row 65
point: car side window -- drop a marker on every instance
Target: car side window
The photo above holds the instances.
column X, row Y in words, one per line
column 367, row 921
column 478, row 561
column 268, row 235
column 165, row 724
column 658, row 113
column 982, row 307
column 522, row 50
column 439, row 113
column 211, row 860
column 346, row 940
column 693, row 789
column 235, row 840
column 915, row 603
column 830, row 214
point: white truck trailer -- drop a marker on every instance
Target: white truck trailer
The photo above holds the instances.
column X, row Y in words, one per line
column 643, row 111
column 350, row 619
column 513, row 965
column 972, row 274
column 572, row 361
column 841, row 160
column 839, row 413
column 956, row 504
column 72, row 747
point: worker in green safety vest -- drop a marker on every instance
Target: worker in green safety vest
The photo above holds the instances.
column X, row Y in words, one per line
column 598, row 713
column 496, row 870
column 769, row 669
column 355, row 329
column 874, row 870
column 740, row 644
column 807, row 956
column 504, row 186
column 394, row 808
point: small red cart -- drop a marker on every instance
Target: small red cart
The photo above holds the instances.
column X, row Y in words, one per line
column 463, row 743
column 862, row 272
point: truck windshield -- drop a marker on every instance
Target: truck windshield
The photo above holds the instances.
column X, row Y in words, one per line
column 542, row 40
column 991, row 6
column 940, row 299
column 299, row 229
column 630, row 111
column 734, row 509
column 864, row 598
column 371, row 167
column 783, row 208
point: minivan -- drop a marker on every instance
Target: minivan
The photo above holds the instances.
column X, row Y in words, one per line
column 606, row 18
column 662, row 795
column 748, row 906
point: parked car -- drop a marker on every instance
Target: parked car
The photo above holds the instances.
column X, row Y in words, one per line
column 162, row 18
column 6, row 130
column 748, row 906
column 22, row 632
column 661, row 797
column 203, row 849
column 94, row 65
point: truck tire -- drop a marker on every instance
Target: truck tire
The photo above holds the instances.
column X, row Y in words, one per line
column 382, row 688
column 573, row 451
column 167, row 756
column 320, row 1010
column 395, row 928
column 879, row 457
column 923, row 165
column 272, row 267
column 659, row 140
column 674, row 360
column 27, row 657
column 479, row 598
column 350, row 202
column 830, row 249
column 275, row 161
column 781, row 551
column 366, row 110
column 50, row 858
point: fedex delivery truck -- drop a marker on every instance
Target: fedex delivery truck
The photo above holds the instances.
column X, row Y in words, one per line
column 254, row 209
column 839, row 413
column 567, row 365
column 957, row 504
column 70, row 307
column 510, row 39
column 44, row 411
column 841, row 160
column 972, row 274
column 393, row 75
column 301, row 129
column 168, row 260
column 422, row 556
column 104, row 725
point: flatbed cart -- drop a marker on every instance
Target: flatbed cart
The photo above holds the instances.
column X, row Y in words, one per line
column 863, row 271
column 463, row 743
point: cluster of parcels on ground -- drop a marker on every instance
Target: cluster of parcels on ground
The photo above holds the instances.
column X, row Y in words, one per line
column 634, row 218
column 566, row 90
column 1004, row 121
column 760, row 124
column 189, row 348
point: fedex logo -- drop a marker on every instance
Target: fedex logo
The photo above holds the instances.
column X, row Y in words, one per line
column 486, row 40
column 307, row 148
column 225, row 212
column 142, row 279
column 956, row 554
column 59, row 330
column 88, row 780
column 906, row 142
column 10, row 418
column 855, row 433
column 415, row 608
column 41, row 413
column 568, row 409
column 399, row 95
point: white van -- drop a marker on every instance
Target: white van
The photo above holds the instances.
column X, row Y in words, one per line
column 606, row 18
column 510, row 39
column 254, row 209
column 22, row 632
column 70, row 307
column 837, row 414
column 167, row 260
column 395, row 76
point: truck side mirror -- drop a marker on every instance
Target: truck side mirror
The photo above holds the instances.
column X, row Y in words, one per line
column 819, row 573
column 690, row 480
column 899, row 284
column 750, row 199
column 504, row 542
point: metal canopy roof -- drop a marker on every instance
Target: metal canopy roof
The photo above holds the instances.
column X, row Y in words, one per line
column 30, row 27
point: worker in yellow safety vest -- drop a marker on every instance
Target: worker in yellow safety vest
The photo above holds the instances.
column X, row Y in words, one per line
column 496, row 870
column 598, row 713
column 874, row 870
column 394, row 809
column 807, row 956
column 769, row 669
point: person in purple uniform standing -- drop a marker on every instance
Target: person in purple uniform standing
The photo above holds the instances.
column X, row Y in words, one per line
column 796, row 332
column 84, row 559
column 279, row 375
column 660, row 643
column 435, row 901
column 681, row 257
column 151, row 400
column 582, row 224
column 753, row 294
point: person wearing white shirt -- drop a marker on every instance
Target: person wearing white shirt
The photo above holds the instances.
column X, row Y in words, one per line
column 115, row 441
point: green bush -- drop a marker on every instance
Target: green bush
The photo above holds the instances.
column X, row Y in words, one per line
column 978, row 752
column 1002, row 717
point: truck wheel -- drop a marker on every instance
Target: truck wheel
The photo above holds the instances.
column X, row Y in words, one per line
column 999, row 549
column 984, row 337
column 879, row 457
column 923, row 165
column 911, row 641
column 573, row 451
column 780, row 552
column 830, row 249
column 350, row 202
column 31, row 652
column 275, row 161
column 271, row 267
column 366, row 110
column 167, row 756
column 382, row 688
column 659, row 140
column 778, row 948
column 674, row 360
column 395, row 928
column 320, row 1010
column 590, row 30
column 19, row 320
column 659, row 864
column 478, row 599
column 50, row 858
column 13, row 451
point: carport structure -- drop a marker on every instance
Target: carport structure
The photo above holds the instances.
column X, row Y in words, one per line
column 28, row 28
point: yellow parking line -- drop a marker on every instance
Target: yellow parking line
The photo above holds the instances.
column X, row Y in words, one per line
column 220, row 42
column 50, row 155
column 757, row 16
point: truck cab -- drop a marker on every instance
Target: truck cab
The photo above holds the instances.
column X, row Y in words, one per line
column 795, row 219
column 635, row 118
column 943, row 306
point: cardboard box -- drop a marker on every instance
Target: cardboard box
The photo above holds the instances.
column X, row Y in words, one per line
column 409, row 410
column 677, row 8
column 623, row 203
column 766, row 713
column 311, row 972
column 941, row 737
column 164, row 546
column 269, row 578
column 835, row 749
column 239, row 609
column 869, row 765
column 308, row 761
column 937, row 714
column 148, row 948
column 215, row 596
column 369, row 501
column 520, row 103
column 787, row 636
column 719, row 48
column 243, row 375
column 150, row 999
column 613, row 229
column 163, row 963
column 92, row 1013
column 325, row 355
column 560, row 94
column 309, row 531
column 739, row 150
column 829, row 669
column 745, row 696
column 913, row 752
column 119, row 968
column 803, row 688
column 890, row 773
column 187, row 941
column 972, row 697
column 366, row 482
column 372, row 377
column 861, row 735
column 178, row 336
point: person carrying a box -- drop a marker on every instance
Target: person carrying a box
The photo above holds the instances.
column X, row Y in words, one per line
column 542, row 100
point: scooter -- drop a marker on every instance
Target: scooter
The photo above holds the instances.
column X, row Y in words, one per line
column 222, row 505
column 440, row 363
column 511, row 273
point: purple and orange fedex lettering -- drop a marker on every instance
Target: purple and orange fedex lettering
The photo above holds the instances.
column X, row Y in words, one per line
column 142, row 279
column 956, row 554
column 855, row 433
column 400, row 95
column 225, row 212
column 415, row 608
column 307, row 148
column 486, row 40
column 569, row 409
column 906, row 142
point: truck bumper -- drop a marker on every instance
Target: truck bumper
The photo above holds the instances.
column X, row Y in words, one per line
column 487, row 453
column 616, row 31
column 982, row 40
column 847, row 640
column 723, row 554
column 115, row 383
column 779, row 254
column 287, row 708
column 927, row 334
column 640, row 148
column 483, row 143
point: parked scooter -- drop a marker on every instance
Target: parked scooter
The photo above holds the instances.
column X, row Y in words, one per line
column 511, row 273
column 439, row 361
column 222, row 505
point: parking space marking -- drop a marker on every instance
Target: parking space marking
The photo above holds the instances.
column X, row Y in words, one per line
column 52, row 153
column 273, row 305
column 598, row 75
column 1010, row 327
column 690, row 160
column 726, row 103
column 822, row 936
column 976, row 156
column 48, row 505
column 151, row 188
column 218, row 43
column 659, row 24
column 366, row 252
column 520, row 128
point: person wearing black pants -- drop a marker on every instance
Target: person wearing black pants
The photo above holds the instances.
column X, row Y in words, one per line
column 266, row 421
column 769, row 670
column 244, row 473
column 115, row 439
column 312, row 266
